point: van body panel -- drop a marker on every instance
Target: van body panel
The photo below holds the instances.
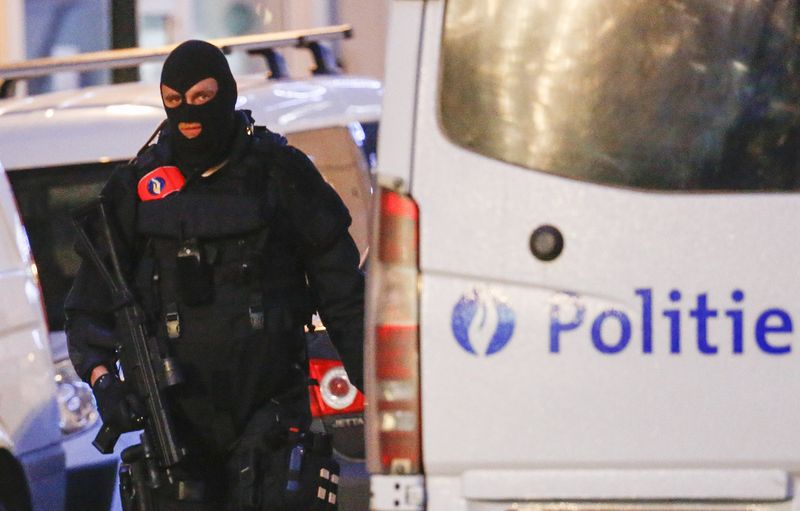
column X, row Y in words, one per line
column 14, row 252
column 19, row 314
column 399, row 102
column 454, row 493
column 526, row 406
column 617, row 385
column 29, row 415
column 26, row 370
column 26, row 366
column 488, row 505
column 444, row 492
column 530, row 485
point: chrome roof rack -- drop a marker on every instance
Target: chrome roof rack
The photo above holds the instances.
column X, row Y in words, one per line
column 257, row 44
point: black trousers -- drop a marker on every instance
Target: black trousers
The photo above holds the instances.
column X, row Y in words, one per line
column 268, row 434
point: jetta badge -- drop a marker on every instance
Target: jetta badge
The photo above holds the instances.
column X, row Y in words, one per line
column 482, row 322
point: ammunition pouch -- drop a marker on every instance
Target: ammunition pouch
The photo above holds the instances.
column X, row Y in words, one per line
column 277, row 466
column 194, row 274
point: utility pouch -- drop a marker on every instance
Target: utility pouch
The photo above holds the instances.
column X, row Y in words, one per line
column 301, row 474
column 195, row 276
column 319, row 476
column 246, row 495
column 246, row 463
column 277, row 467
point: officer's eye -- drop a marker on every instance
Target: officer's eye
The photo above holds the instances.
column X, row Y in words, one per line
column 203, row 97
column 172, row 100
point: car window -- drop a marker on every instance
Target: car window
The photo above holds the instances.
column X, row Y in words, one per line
column 683, row 95
column 46, row 198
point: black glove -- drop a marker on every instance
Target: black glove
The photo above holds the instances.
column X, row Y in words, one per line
column 118, row 408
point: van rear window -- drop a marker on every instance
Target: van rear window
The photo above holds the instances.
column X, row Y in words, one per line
column 685, row 95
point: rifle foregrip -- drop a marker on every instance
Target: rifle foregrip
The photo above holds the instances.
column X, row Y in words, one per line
column 106, row 439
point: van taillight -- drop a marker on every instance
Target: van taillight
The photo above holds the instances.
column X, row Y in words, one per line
column 392, row 346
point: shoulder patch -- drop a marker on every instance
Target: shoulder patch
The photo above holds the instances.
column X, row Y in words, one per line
column 159, row 183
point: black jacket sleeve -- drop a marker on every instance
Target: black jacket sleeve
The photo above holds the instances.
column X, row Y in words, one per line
column 330, row 256
column 88, row 307
column 338, row 285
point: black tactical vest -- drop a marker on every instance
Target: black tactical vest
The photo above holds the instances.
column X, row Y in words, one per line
column 221, row 279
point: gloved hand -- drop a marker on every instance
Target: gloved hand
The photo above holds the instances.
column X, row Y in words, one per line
column 118, row 408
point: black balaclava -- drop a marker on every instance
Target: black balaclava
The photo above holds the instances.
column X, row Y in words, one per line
column 186, row 65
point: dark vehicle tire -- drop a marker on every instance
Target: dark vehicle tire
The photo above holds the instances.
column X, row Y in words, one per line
column 14, row 495
column 15, row 502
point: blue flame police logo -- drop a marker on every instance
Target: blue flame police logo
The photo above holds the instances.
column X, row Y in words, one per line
column 155, row 185
column 482, row 322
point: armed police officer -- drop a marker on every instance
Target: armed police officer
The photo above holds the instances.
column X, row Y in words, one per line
column 231, row 240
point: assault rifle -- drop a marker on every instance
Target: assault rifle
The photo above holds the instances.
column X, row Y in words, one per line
column 144, row 366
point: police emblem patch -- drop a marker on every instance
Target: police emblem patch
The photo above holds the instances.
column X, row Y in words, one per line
column 482, row 322
column 155, row 185
column 160, row 182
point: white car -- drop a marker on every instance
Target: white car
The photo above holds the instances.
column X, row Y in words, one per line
column 59, row 149
column 32, row 469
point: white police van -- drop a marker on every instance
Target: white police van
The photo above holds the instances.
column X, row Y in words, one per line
column 59, row 149
column 583, row 292
column 32, row 466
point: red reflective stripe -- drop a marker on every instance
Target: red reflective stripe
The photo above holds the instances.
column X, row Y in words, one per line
column 400, row 445
column 160, row 182
column 397, row 243
column 402, row 333
column 396, row 352
column 398, row 205
column 398, row 406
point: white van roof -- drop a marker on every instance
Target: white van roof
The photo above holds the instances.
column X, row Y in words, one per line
column 111, row 122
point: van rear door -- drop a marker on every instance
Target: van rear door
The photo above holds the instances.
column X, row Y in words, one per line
column 658, row 142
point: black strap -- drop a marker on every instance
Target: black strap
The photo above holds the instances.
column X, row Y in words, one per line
column 252, row 269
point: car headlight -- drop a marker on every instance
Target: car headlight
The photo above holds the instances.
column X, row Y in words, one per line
column 75, row 400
